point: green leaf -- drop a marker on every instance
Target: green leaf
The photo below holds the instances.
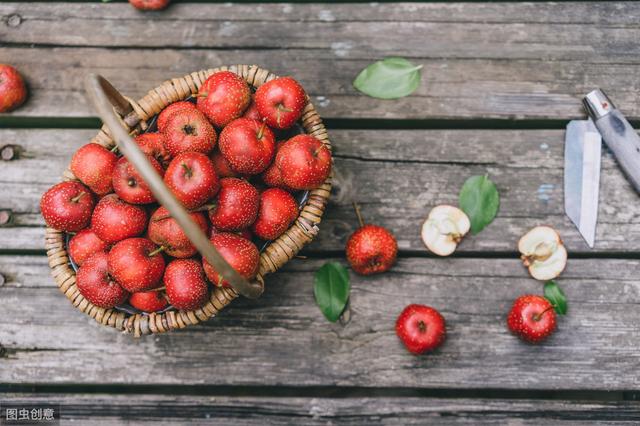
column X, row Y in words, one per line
column 332, row 289
column 480, row 200
column 390, row 78
column 556, row 297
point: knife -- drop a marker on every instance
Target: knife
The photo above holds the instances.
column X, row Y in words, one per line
column 582, row 148
column 582, row 159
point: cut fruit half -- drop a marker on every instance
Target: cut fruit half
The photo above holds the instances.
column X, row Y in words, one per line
column 444, row 228
column 543, row 253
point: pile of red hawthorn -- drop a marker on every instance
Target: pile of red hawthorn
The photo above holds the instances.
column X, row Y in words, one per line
column 218, row 155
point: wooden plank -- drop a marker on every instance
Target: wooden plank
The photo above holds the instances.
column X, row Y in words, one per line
column 412, row 171
column 480, row 61
column 282, row 338
column 485, row 13
column 110, row 409
column 561, row 31
column 451, row 88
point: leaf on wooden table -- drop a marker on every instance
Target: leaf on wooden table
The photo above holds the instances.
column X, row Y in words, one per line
column 390, row 78
column 554, row 294
column 479, row 199
column 331, row 290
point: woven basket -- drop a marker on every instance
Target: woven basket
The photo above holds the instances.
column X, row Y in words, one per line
column 134, row 117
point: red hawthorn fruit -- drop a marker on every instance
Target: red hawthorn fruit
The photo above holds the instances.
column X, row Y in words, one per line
column 420, row 328
column 532, row 318
column 248, row 146
column 136, row 264
column 175, row 107
column 149, row 4
column 281, row 102
column 371, row 249
column 149, row 301
column 93, row 164
column 13, row 91
column 304, row 162
column 129, row 185
column 272, row 176
column 278, row 210
column 189, row 130
column 84, row 244
column 222, row 166
column 192, row 179
column 153, row 144
column 67, row 206
column 252, row 111
column 240, row 253
column 223, row 97
column 165, row 231
column 235, row 206
column 95, row 284
column 114, row 220
column 185, row 284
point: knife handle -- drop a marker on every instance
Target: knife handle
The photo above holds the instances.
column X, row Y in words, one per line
column 623, row 140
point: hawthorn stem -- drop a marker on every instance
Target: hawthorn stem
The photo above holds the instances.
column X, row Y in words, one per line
column 538, row 317
column 77, row 197
column 356, row 207
column 283, row 108
column 159, row 288
column 114, row 149
column 187, row 170
column 261, row 131
column 157, row 250
column 279, row 109
column 201, row 95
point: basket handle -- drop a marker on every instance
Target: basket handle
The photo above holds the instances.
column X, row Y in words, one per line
column 107, row 100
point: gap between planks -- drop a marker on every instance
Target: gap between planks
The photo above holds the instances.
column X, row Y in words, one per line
column 223, row 410
column 19, row 122
column 285, row 391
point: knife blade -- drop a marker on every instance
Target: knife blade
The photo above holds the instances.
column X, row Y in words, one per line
column 582, row 150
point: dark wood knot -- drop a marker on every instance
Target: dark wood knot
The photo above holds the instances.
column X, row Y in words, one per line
column 14, row 20
column 10, row 152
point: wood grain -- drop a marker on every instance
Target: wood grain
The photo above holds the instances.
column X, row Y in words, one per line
column 220, row 410
column 282, row 338
column 480, row 61
column 413, row 170
column 561, row 31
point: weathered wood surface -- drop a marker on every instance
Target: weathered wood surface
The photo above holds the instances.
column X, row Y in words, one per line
column 216, row 410
column 282, row 338
column 413, row 170
column 480, row 60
